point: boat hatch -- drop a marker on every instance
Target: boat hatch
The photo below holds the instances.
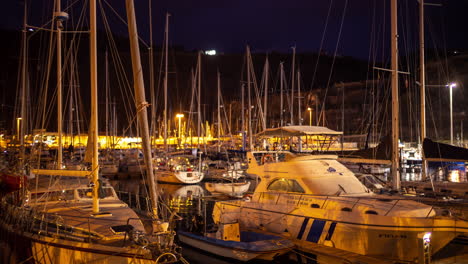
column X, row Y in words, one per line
column 189, row 174
column 121, row 229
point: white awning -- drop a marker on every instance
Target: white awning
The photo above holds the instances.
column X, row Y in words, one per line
column 295, row 131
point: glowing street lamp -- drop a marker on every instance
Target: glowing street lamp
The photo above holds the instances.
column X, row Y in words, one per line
column 179, row 116
column 310, row 115
column 451, row 112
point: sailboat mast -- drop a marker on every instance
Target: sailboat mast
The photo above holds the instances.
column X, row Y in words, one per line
column 265, row 102
column 141, row 103
column 199, row 98
column 151, row 76
column 299, row 97
column 395, row 98
column 422, row 82
column 107, row 100
column 249, row 113
column 166, row 34
column 70, row 105
column 293, row 75
column 281, row 93
column 243, row 115
column 191, row 111
column 219, row 112
column 59, row 84
column 94, row 104
column 114, row 122
column 23, row 89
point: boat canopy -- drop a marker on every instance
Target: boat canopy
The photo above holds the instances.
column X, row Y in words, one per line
column 296, row 131
column 435, row 151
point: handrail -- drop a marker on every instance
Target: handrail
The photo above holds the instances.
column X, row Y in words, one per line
column 326, row 198
column 299, row 201
column 330, row 196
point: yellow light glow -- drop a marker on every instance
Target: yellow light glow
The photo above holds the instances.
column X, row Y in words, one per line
column 454, row 176
column 427, row 237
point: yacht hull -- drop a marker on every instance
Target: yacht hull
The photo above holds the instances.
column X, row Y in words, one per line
column 28, row 247
column 235, row 189
column 180, row 177
column 382, row 236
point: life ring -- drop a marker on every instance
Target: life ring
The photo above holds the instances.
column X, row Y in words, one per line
column 267, row 158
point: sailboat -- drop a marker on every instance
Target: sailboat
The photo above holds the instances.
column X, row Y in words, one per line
column 67, row 220
column 180, row 167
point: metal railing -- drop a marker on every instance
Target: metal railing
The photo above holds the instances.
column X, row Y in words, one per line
column 322, row 201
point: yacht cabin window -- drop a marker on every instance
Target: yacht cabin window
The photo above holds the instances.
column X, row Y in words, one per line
column 285, row 185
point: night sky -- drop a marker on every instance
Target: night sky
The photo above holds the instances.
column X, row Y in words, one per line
column 269, row 25
column 356, row 28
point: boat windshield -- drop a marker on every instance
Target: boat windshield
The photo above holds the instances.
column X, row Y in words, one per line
column 371, row 179
column 104, row 192
column 272, row 157
column 335, row 186
column 285, row 185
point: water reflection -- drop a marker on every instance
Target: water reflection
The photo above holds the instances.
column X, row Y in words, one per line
column 411, row 176
column 178, row 198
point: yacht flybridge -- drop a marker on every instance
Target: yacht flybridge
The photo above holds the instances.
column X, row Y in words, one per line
column 314, row 199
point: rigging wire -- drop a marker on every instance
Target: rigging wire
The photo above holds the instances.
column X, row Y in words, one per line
column 321, row 45
column 322, row 113
column 123, row 21
column 122, row 78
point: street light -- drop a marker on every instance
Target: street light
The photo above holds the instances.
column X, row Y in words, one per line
column 18, row 121
column 310, row 115
column 451, row 112
column 179, row 116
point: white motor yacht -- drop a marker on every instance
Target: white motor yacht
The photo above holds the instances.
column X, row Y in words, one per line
column 314, row 199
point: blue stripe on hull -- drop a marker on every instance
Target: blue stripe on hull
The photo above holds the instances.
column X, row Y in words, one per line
column 331, row 230
column 303, row 227
column 316, row 231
